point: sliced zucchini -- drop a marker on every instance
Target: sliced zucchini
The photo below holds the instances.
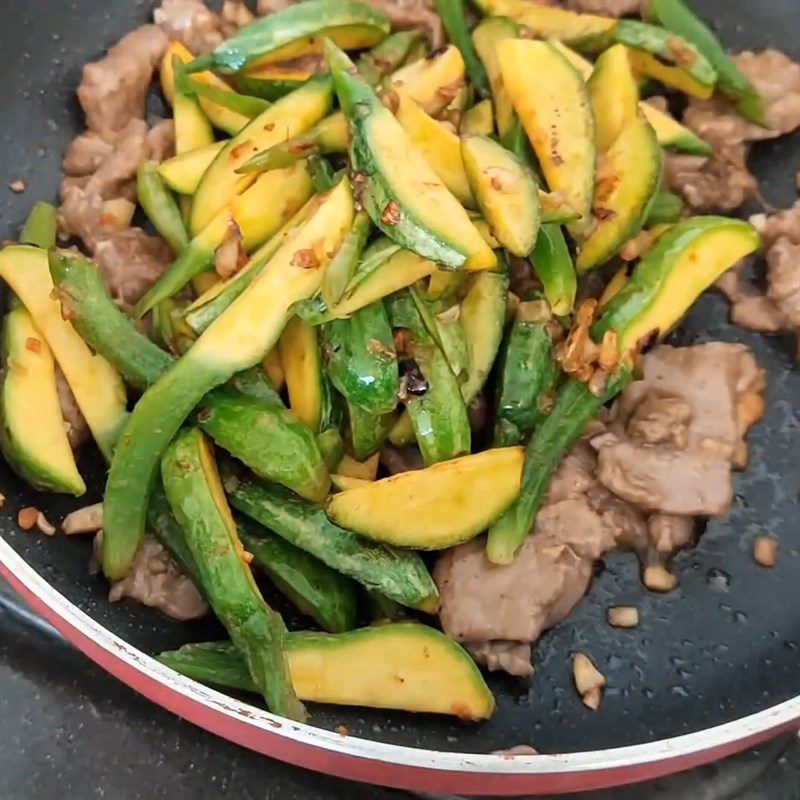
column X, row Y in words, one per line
column 192, row 127
column 672, row 135
column 303, row 371
column 553, row 265
column 614, row 95
column 478, row 120
column 628, row 177
column 342, row 482
column 483, row 312
column 344, row 264
column 183, row 173
column 368, row 431
column 401, row 193
column 557, row 116
column 436, row 507
column 365, row 470
column 236, row 340
column 545, row 22
column 361, row 359
column 32, row 435
column 506, row 192
column 220, row 117
column 667, row 57
column 292, row 114
column 432, row 81
column 298, row 30
column 684, row 262
column 439, row 146
column 271, row 81
column 401, row 665
column 98, row 388
column 446, row 329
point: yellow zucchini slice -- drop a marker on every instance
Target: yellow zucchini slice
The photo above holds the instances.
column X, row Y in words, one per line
column 628, row 176
column 402, row 665
column 613, row 94
column 182, row 173
column 478, row 120
column 301, row 360
column 365, row 471
column 432, row 81
column 32, row 434
column 648, row 65
column 506, row 192
column 557, row 117
column 440, row 147
column 98, row 388
column 289, row 116
column 545, row 22
column 251, row 325
column 220, row 117
column 486, row 37
column 436, row 507
column 344, row 482
column 273, row 368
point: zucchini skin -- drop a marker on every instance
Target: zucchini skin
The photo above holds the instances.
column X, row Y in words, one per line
column 575, row 405
column 368, row 431
column 256, row 630
column 529, row 371
column 398, row 574
column 318, row 591
column 552, row 263
column 454, row 19
column 344, row 263
column 361, row 359
column 39, row 229
column 251, row 423
column 438, row 414
column 665, row 208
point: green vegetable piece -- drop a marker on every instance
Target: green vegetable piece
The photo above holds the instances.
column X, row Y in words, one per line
column 243, row 104
column 361, row 359
column 368, row 431
column 528, row 374
column 281, row 36
column 195, row 494
column 446, row 329
column 434, row 400
column 398, row 574
column 321, row 593
column 665, row 208
column 322, row 176
column 676, row 16
column 454, row 19
column 402, row 665
column 553, row 265
column 40, row 227
column 344, row 263
column 168, row 326
column 575, row 405
column 387, row 56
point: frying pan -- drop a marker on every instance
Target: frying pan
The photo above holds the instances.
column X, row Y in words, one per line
column 712, row 668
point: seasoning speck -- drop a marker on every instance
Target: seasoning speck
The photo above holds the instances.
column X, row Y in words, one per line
column 17, row 186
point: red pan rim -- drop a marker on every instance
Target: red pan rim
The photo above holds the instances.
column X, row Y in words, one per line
column 375, row 762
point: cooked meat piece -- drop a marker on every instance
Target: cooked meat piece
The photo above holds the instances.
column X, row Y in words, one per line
column 659, row 478
column 783, row 278
column 191, row 23
column 511, row 657
column 781, row 224
column 74, row 421
column 156, row 581
column 574, row 476
column 401, row 459
column 80, row 212
column 116, row 173
column 85, row 153
column 264, row 7
column 405, row 14
column 669, row 533
column 661, row 418
column 114, row 89
column 482, row 602
column 606, row 8
column 624, row 522
column 749, row 307
column 131, row 261
column 720, row 182
column 711, row 378
column 234, row 16
column 161, row 140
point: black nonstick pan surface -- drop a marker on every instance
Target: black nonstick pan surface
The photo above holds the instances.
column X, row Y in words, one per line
column 725, row 645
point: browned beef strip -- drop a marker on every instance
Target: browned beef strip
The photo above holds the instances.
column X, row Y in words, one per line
column 191, row 23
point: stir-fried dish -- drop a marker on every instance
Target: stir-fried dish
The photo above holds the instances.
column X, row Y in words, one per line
column 391, row 340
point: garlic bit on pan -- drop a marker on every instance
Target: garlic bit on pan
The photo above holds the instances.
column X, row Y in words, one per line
column 622, row 616
column 765, row 550
column 88, row 519
column 589, row 681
